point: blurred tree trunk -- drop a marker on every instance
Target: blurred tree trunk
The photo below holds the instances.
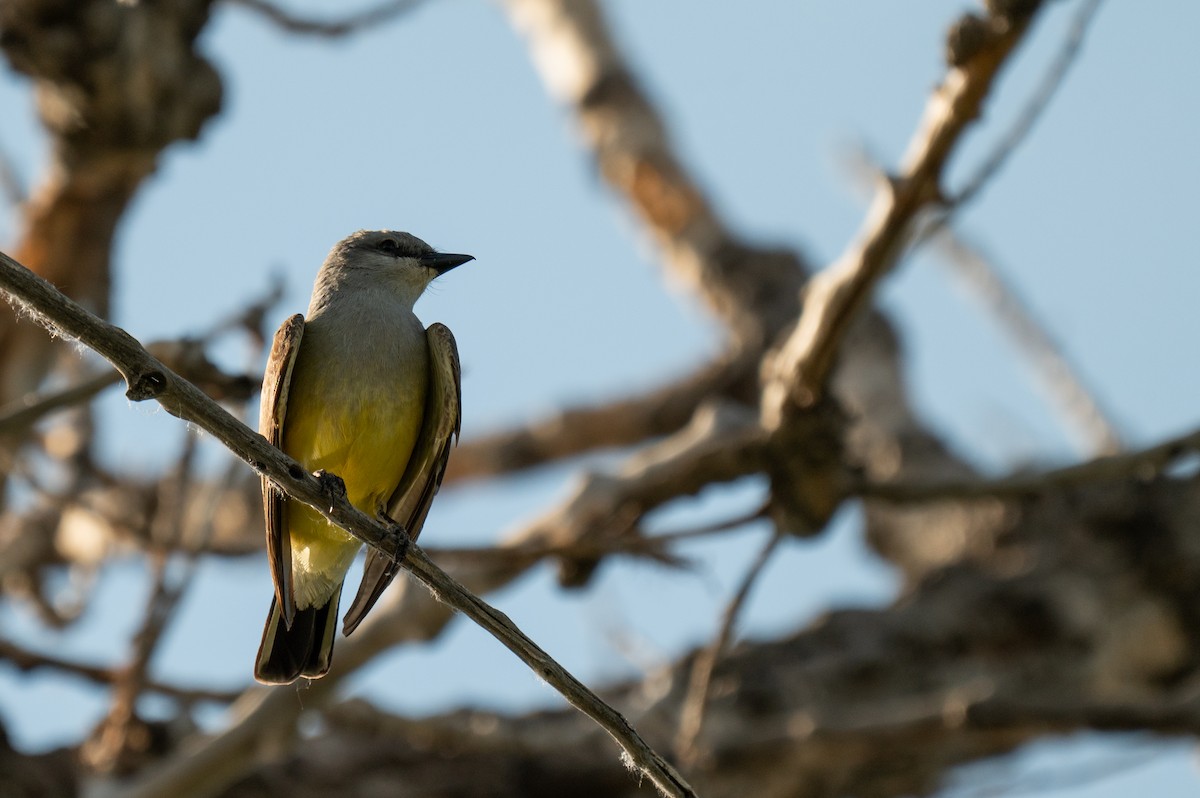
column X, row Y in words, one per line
column 115, row 83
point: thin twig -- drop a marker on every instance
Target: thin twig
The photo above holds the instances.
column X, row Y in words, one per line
column 627, row 421
column 353, row 23
column 148, row 378
column 648, row 546
column 19, row 416
column 723, row 442
column 716, row 527
column 1078, row 403
column 691, row 719
column 25, row 660
column 109, row 745
column 185, row 354
column 1144, row 464
column 250, row 319
column 1038, row 102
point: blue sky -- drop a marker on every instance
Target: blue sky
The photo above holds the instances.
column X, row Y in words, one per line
column 438, row 124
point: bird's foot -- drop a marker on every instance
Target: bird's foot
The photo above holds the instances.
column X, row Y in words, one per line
column 398, row 539
column 332, row 485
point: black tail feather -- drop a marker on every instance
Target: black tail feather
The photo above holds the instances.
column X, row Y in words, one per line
column 305, row 649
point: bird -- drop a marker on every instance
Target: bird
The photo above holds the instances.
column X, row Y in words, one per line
column 358, row 388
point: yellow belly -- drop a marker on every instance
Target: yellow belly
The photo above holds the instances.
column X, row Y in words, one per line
column 355, row 413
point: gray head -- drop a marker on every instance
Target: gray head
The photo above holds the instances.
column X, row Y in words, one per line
column 386, row 259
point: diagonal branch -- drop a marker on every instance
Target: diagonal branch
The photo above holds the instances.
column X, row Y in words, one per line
column 752, row 291
column 837, row 295
column 721, row 444
column 1077, row 402
column 109, row 117
column 17, row 417
column 185, row 356
column 1051, row 82
column 623, row 422
column 691, row 719
column 405, row 614
column 148, row 378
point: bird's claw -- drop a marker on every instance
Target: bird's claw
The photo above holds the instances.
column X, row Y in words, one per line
column 332, row 485
column 397, row 536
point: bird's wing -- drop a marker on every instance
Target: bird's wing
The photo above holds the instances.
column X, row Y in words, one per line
column 276, row 383
column 410, row 502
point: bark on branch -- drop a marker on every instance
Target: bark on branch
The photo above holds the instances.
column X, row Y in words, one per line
column 148, row 378
column 838, row 294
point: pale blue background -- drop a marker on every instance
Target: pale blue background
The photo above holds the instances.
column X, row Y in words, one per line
column 437, row 124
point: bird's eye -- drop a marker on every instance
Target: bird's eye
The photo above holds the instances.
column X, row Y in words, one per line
column 389, row 245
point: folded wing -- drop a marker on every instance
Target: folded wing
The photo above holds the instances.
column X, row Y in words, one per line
column 410, row 502
column 273, row 410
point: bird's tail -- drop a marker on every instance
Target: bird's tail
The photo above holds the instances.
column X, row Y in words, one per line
column 305, row 649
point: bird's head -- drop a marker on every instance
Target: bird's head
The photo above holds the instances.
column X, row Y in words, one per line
column 389, row 257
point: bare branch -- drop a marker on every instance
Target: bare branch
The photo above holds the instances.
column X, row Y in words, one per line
column 753, row 292
column 267, row 718
column 723, row 443
column 1077, row 402
column 507, row 561
column 1051, row 82
column 282, row 18
column 623, row 422
column 185, row 355
column 25, row 660
column 691, row 718
column 149, row 378
column 836, row 295
column 973, row 663
column 1142, row 465
column 252, row 318
column 111, row 746
column 19, row 416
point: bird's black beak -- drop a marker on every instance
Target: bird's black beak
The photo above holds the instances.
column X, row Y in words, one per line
column 442, row 262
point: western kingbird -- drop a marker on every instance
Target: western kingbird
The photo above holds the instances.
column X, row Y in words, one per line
column 362, row 390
